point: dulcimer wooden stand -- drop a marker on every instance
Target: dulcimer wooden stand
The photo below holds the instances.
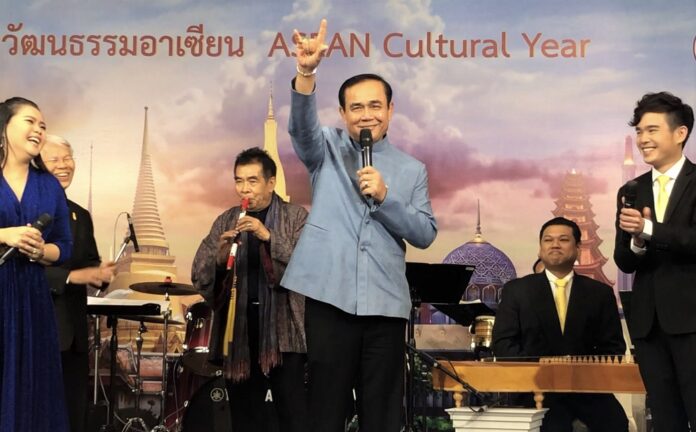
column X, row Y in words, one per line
column 569, row 374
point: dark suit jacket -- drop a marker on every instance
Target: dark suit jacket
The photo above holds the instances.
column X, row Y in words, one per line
column 665, row 279
column 70, row 300
column 527, row 325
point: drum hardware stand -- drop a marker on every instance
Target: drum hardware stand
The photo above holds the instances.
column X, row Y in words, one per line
column 163, row 393
column 138, row 380
column 113, row 321
column 97, row 353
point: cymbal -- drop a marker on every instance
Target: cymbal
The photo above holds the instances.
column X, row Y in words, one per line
column 172, row 288
column 154, row 319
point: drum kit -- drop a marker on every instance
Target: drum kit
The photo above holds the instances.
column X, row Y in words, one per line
column 193, row 392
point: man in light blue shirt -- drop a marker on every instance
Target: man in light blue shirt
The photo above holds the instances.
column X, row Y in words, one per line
column 350, row 259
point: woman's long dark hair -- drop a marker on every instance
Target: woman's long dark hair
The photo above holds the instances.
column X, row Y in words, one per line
column 8, row 109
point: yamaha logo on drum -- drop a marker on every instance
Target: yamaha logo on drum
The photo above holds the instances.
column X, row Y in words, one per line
column 217, row 394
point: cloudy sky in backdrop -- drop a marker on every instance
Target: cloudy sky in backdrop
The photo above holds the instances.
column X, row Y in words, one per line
column 500, row 130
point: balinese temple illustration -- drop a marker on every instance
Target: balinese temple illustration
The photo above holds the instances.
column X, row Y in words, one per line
column 625, row 281
column 574, row 204
column 493, row 267
column 270, row 144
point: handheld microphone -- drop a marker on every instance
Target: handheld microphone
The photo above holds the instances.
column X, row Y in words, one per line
column 132, row 233
column 630, row 194
column 235, row 245
column 366, row 144
column 40, row 224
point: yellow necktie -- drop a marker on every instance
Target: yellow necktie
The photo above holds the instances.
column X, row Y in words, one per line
column 662, row 198
column 561, row 302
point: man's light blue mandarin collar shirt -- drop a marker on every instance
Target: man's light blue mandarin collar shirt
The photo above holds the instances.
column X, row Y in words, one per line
column 351, row 253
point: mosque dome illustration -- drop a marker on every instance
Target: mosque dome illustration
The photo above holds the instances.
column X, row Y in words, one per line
column 493, row 268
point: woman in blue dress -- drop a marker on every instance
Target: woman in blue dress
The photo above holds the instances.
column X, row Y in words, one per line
column 31, row 389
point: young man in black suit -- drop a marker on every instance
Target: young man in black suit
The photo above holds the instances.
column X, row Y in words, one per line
column 69, row 286
column 557, row 312
column 656, row 239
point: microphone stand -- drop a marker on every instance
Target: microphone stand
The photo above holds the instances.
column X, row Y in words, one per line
column 436, row 364
column 110, row 425
column 126, row 239
column 410, row 360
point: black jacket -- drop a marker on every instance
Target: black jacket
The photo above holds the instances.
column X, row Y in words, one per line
column 70, row 300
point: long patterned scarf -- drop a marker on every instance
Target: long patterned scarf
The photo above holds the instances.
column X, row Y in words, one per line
column 237, row 363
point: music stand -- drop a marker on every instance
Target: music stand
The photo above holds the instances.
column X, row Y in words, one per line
column 464, row 313
column 434, row 284
column 437, row 283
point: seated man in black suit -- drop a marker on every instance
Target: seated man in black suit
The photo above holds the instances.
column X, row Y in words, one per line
column 69, row 286
column 557, row 312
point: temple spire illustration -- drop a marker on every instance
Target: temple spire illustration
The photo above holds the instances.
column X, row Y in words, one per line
column 89, row 192
column 270, row 144
column 153, row 263
column 154, row 257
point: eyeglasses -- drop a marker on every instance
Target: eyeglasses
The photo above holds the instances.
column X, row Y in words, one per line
column 65, row 160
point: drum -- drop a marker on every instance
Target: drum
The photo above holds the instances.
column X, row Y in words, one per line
column 180, row 387
column 482, row 332
column 199, row 324
column 209, row 408
column 195, row 402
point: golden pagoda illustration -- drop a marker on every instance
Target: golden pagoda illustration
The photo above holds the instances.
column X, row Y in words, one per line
column 574, row 204
column 270, row 144
column 153, row 263
column 153, row 258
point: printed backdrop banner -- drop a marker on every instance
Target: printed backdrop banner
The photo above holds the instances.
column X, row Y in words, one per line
column 502, row 100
